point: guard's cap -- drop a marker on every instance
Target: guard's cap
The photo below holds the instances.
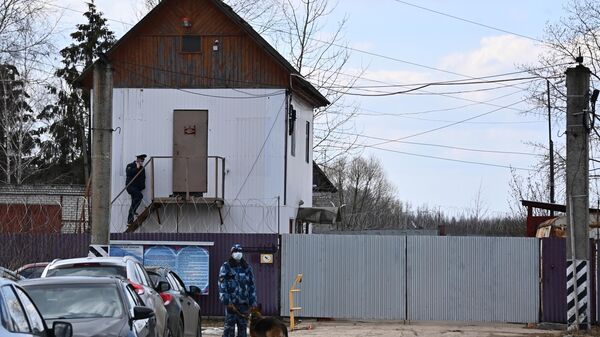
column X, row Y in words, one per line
column 141, row 156
column 236, row 248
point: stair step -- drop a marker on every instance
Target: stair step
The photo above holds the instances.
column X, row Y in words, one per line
column 142, row 217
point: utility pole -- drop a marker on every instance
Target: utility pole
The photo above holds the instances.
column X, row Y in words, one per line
column 578, row 291
column 101, row 154
column 551, row 147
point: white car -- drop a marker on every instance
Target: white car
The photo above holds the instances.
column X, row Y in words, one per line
column 126, row 267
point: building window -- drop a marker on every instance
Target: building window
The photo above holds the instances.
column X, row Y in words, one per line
column 307, row 155
column 191, row 44
column 293, row 143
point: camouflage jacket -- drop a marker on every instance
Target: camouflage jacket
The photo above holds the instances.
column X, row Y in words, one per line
column 236, row 283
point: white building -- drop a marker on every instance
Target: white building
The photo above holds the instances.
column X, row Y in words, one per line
column 226, row 122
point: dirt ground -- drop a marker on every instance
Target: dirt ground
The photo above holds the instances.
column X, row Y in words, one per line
column 397, row 329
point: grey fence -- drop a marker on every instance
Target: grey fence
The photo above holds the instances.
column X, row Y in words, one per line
column 414, row 278
column 345, row 276
column 473, row 279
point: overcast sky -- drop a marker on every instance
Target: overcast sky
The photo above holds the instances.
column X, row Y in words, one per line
column 398, row 31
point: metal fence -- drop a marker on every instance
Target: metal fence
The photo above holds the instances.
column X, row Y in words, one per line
column 414, row 278
column 473, row 279
column 23, row 248
column 345, row 276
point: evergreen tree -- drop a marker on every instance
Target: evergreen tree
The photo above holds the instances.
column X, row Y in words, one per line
column 68, row 150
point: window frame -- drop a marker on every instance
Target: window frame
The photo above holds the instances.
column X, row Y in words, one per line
column 307, row 154
column 181, row 50
column 31, row 312
column 11, row 326
column 293, row 143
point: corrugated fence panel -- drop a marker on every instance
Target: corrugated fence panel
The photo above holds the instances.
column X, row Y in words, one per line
column 473, row 279
column 266, row 275
column 344, row 276
column 19, row 249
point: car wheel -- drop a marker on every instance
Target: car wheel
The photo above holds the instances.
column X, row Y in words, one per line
column 199, row 327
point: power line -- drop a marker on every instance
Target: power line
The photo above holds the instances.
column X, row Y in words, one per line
column 449, row 125
column 469, row 21
column 260, row 151
column 444, row 158
column 251, row 96
column 83, row 12
column 411, row 91
column 444, row 83
column 437, row 145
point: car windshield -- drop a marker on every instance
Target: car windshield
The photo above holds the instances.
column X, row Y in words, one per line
column 32, row 272
column 69, row 301
column 87, row 270
column 155, row 277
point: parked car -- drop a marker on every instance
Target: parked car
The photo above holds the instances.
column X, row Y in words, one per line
column 185, row 318
column 32, row 270
column 20, row 317
column 95, row 306
column 10, row 275
column 127, row 268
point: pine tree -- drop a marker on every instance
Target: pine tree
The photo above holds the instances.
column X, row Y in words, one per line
column 68, row 150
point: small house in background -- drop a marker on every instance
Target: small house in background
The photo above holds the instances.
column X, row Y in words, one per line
column 226, row 122
column 554, row 225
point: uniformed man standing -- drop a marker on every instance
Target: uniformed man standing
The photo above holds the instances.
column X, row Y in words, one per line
column 237, row 292
column 136, row 183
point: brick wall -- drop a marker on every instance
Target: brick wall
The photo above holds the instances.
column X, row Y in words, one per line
column 70, row 198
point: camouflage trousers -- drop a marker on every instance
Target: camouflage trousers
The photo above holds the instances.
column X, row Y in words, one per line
column 232, row 319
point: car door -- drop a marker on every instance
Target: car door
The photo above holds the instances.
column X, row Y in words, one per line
column 142, row 327
column 153, row 298
column 189, row 307
column 23, row 319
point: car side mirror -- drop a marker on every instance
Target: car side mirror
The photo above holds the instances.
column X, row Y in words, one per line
column 142, row 313
column 195, row 290
column 163, row 286
column 62, row 329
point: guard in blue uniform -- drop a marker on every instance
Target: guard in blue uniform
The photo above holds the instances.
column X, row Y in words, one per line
column 135, row 183
column 237, row 292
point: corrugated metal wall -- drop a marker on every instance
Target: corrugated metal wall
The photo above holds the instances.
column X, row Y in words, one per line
column 447, row 278
column 266, row 275
column 345, row 276
column 554, row 280
column 237, row 130
column 473, row 279
column 20, row 249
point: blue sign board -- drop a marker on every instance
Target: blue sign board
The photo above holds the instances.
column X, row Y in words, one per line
column 189, row 262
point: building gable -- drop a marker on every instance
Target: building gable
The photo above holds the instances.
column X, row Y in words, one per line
column 200, row 44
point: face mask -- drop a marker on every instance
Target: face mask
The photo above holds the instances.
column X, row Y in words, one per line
column 237, row 256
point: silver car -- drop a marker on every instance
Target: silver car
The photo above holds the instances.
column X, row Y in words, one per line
column 125, row 267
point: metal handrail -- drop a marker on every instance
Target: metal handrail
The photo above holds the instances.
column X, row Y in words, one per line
column 151, row 163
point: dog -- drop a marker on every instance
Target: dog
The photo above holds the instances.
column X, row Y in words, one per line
column 261, row 326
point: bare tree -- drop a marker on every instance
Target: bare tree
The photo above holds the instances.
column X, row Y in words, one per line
column 322, row 59
column 578, row 33
column 24, row 27
column 17, row 128
column 368, row 197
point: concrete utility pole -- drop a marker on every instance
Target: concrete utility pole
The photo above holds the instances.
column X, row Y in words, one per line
column 101, row 151
column 578, row 79
column 551, row 148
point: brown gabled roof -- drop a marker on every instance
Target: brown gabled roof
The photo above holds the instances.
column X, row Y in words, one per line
column 549, row 206
column 321, row 182
column 296, row 82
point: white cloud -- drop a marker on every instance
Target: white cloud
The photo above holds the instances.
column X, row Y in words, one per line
column 496, row 54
